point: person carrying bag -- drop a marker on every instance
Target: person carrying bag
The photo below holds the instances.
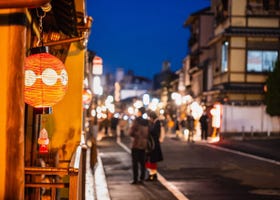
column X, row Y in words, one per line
column 155, row 155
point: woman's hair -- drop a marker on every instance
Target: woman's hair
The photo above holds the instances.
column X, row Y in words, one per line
column 153, row 115
column 142, row 110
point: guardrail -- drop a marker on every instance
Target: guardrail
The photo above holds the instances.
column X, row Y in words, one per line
column 75, row 171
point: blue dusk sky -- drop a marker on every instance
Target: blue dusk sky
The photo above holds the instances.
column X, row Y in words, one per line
column 140, row 35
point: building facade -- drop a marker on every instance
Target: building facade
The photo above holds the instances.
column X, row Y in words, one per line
column 234, row 44
column 244, row 48
column 63, row 27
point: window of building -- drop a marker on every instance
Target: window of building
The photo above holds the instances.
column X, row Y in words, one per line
column 255, row 3
column 271, row 4
column 264, row 4
column 261, row 60
column 224, row 63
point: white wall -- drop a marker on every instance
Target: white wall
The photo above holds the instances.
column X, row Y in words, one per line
column 248, row 119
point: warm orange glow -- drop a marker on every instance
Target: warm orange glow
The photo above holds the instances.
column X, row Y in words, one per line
column 87, row 96
column 45, row 80
column 213, row 139
column 216, row 116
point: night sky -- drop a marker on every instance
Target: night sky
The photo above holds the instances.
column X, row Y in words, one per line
column 140, row 35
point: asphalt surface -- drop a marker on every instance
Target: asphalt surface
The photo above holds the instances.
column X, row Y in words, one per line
column 263, row 147
column 209, row 171
column 117, row 168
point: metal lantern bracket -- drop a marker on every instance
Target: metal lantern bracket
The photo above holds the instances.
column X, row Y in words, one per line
column 40, row 14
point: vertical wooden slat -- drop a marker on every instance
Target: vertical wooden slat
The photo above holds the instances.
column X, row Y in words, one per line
column 12, row 51
column 73, row 191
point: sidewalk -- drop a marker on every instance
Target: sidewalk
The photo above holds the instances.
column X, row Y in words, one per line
column 96, row 185
column 115, row 162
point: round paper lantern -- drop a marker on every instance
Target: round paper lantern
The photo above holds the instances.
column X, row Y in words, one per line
column 45, row 79
column 87, row 97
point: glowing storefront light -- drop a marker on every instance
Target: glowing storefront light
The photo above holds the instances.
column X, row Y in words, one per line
column 110, row 99
column 138, row 104
column 146, row 99
column 125, row 117
column 216, row 120
column 175, row 95
column 196, row 109
column 155, row 100
column 186, row 99
column 97, row 88
column 97, row 65
column 216, row 116
column 130, row 110
column 177, row 98
column 145, row 116
column 154, row 104
column 111, row 108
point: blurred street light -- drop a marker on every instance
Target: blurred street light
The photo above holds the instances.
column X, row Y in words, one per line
column 146, row 99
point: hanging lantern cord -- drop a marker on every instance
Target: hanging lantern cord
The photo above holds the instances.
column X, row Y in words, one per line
column 41, row 14
column 40, row 40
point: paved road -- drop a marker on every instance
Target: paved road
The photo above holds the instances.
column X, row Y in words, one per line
column 202, row 172
column 265, row 147
column 117, row 166
column 198, row 171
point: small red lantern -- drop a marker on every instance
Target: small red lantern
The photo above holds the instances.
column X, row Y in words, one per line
column 45, row 79
column 87, row 97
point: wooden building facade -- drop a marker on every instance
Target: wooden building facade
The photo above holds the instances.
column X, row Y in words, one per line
column 64, row 30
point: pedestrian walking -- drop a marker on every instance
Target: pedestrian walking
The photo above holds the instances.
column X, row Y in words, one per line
column 106, row 125
column 190, row 125
column 183, row 125
column 177, row 128
column 154, row 156
column 114, row 124
column 139, row 134
column 204, row 126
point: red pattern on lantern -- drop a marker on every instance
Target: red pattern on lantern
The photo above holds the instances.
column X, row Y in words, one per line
column 45, row 80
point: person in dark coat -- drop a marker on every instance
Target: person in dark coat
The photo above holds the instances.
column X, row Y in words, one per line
column 114, row 124
column 204, row 126
column 155, row 155
column 138, row 132
column 190, row 126
column 106, row 125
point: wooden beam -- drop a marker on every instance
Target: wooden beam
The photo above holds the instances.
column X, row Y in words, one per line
column 12, row 51
column 22, row 4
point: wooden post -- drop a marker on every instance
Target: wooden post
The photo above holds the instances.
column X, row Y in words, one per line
column 12, row 51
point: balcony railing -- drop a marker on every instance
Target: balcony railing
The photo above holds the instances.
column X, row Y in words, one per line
column 75, row 172
column 259, row 10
